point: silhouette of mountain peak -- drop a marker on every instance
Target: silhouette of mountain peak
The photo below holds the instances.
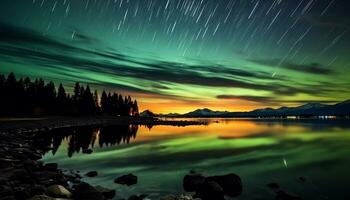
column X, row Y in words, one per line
column 311, row 105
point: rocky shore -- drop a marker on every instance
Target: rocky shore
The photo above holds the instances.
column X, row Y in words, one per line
column 24, row 176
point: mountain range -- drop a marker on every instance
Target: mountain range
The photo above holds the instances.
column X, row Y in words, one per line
column 308, row 110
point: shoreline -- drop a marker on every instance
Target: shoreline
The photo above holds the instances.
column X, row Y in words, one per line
column 24, row 176
column 49, row 123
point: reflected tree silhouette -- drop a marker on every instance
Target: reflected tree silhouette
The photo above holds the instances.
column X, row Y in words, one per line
column 80, row 139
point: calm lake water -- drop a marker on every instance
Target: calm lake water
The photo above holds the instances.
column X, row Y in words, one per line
column 260, row 151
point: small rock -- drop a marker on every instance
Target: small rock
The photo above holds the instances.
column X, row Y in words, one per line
column 38, row 190
column 138, row 197
column 169, row 197
column 302, row 179
column 128, row 180
column 210, row 191
column 87, row 192
column 191, row 182
column 51, row 166
column 30, row 165
column 8, row 198
column 6, row 163
column 109, row 194
column 20, row 174
column 273, row 185
column 186, row 197
column 134, row 197
column 143, row 196
column 87, row 151
column 91, row 174
column 3, row 181
column 41, row 197
column 58, row 191
column 21, row 192
column 283, row 195
column 230, row 183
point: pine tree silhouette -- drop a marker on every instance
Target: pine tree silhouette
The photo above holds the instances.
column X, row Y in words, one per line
column 25, row 97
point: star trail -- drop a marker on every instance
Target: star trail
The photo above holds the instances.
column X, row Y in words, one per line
column 177, row 55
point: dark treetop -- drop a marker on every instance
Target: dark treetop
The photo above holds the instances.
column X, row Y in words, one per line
column 25, row 97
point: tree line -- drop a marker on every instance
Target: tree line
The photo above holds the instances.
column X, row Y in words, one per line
column 24, row 97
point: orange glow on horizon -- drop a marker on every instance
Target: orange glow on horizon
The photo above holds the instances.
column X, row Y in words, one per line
column 232, row 129
column 181, row 107
column 164, row 105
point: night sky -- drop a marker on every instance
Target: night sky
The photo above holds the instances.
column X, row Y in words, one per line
column 179, row 55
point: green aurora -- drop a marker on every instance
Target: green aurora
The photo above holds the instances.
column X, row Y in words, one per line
column 175, row 56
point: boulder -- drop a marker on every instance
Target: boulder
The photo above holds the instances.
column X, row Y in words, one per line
column 191, row 182
column 8, row 198
column 30, row 165
column 58, row 191
column 107, row 193
column 187, row 197
column 87, row 192
column 38, row 190
column 210, row 191
column 273, row 185
column 169, row 197
column 128, row 180
column 138, row 197
column 51, row 166
column 302, row 179
column 19, row 174
column 230, row 183
column 21, row 192
column 283, row 195
column 41, row 197
column 91, row 174
column 87, row 151
column 135, row 197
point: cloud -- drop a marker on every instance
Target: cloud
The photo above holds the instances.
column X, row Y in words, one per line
column 81, row 38
column 312, row 68
column 21, row 45
column 14, row 35
column 260, row 99
column 105, row 61
column 271, row 100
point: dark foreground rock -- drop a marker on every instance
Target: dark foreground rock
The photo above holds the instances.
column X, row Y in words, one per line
column 128, row 180
column 191, row 182
column 58, row 191
column 87, row 151
column 213, row 186
column 273, row 186
column 91, row 174
column 230, row 183
column 87, row 192
column 179, row 197
column 209, row 191
column 107, row 193
column 284, row 195
column 24, row 176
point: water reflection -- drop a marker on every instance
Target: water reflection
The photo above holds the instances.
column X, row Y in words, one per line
column 80, row 139
column 260, row 151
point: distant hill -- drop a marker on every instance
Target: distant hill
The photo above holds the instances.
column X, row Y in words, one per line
column 205, row 112
column 147, row 113
column 307, row 110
